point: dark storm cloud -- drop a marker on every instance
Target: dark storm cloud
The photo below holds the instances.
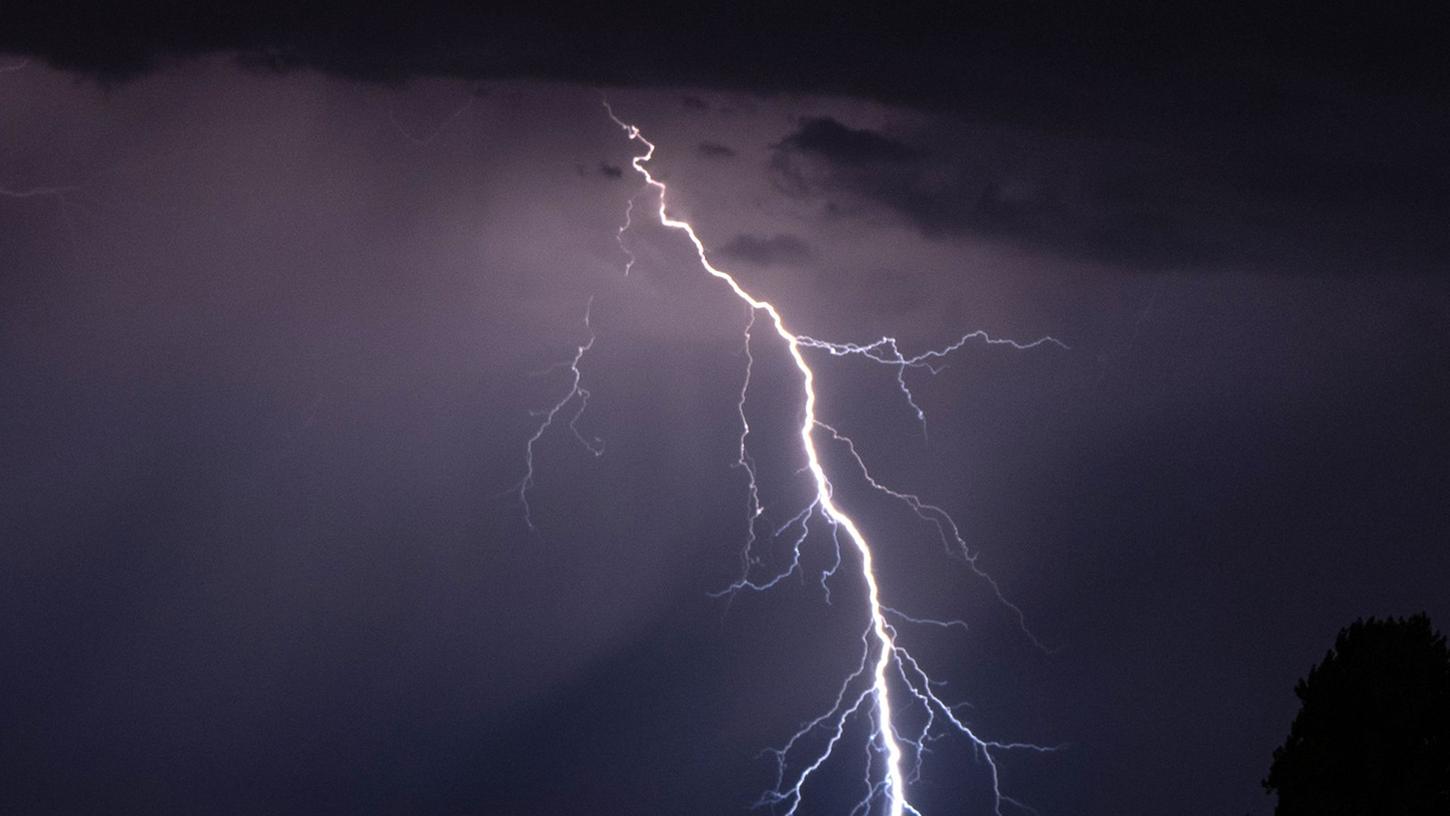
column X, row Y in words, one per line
column 1147, row 206
column 694, row 103
column 610, row 170
column 715, row 150
column 845, row 146
column 1299, row 139
column 764, row 250
column 1148, row 70
column 1079, row 214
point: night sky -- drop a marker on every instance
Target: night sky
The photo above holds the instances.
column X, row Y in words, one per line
column 282, row 290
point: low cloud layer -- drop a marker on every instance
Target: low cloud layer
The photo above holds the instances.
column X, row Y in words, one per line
column 1180, row 136
column 715, row 150
column 846, row 146
column 1116, row 201
column 766, row 250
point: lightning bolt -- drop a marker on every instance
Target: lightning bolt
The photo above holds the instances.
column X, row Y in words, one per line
column 577, row 395
column 889, row 688
column 619, row 236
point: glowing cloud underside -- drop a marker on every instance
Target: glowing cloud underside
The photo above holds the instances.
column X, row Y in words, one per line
column 886, row 670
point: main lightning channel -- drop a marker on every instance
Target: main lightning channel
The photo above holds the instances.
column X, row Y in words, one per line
column 881, row 631
column 884, row 661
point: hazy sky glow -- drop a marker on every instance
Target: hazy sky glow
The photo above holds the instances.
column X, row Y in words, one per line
column 271, row 344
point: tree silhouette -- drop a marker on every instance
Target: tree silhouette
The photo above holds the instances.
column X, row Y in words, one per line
column 1373, row 735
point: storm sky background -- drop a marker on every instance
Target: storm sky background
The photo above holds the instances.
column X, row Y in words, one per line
column 276, row 287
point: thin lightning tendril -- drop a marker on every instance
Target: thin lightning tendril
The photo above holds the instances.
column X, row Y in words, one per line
column 619, row 238
column 886, row 668
column 62, row 196
column 888, row 352
column 433, row 133
column 576, row 389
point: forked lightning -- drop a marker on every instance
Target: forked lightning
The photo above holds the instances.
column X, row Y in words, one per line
column 888, row 682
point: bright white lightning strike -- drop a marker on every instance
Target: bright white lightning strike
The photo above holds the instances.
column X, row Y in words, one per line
column 893, row 758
